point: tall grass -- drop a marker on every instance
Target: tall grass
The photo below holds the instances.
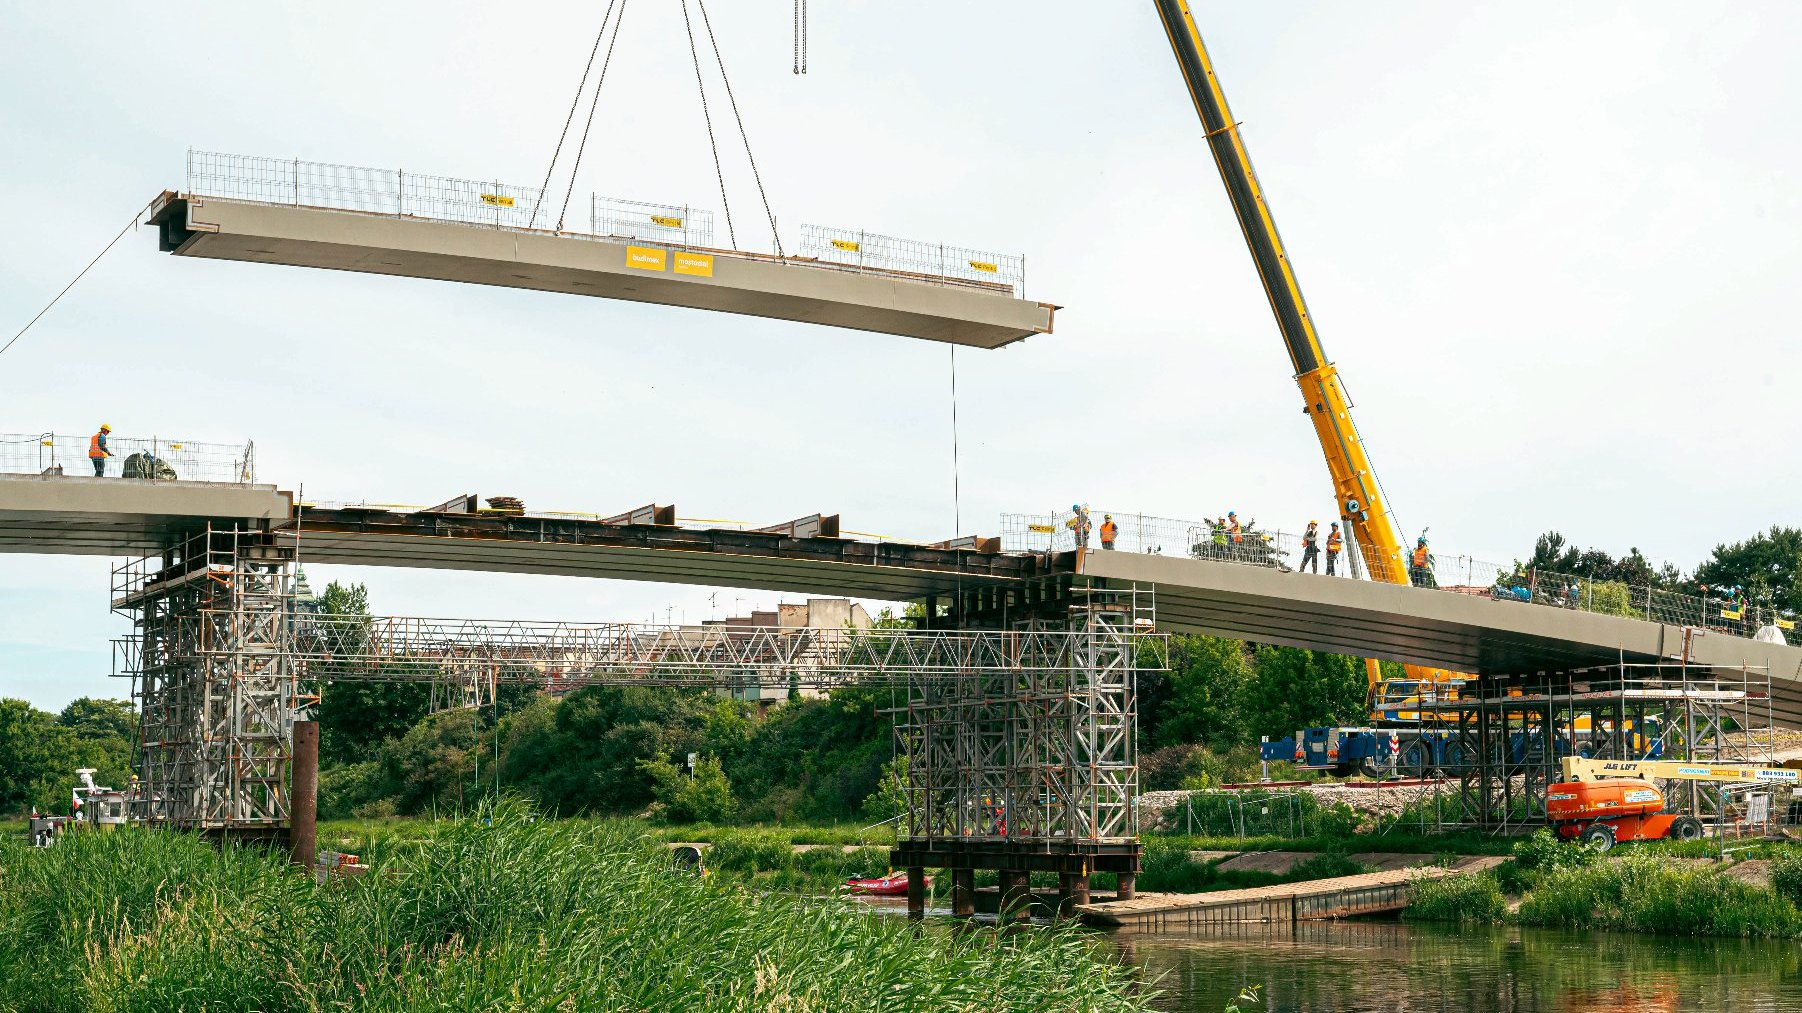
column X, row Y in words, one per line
column 1641, row 893
column 1464, row 898
column 514, row 915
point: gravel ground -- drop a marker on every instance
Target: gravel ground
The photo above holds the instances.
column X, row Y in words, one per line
column 1163, row 809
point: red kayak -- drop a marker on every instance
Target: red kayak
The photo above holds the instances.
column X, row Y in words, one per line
column 891, row 885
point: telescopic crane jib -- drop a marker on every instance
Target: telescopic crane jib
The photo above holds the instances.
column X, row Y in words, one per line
column 1355, row 487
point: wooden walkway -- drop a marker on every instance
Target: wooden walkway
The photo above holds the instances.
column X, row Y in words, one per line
column 1340, row 897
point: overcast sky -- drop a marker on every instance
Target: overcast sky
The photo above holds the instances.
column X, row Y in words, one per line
column 1551, row 247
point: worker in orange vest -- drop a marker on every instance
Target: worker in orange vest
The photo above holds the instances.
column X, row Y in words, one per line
column 1418, row 573
column 1310, row 548
column 1335, row 544
column 97, row 451
column 1232, row 527
column 1109, row 531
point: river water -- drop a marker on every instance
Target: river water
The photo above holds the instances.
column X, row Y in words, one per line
column 1365, row 967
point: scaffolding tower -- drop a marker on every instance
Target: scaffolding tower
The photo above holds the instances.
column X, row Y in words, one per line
column 215, row 681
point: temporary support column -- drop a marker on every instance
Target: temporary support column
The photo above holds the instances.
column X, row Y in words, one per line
column 1072, row 892
column 303, row 799
column 1016, row 895
column 916, row 893
column 963, row 893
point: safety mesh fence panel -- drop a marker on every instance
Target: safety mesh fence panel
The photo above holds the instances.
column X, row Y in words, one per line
column 149, row 458
column 670, row 224
column 857, row 248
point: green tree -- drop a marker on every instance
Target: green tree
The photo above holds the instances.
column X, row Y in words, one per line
column 357, row 716
column 1202, row 698
column 433, row 764
column 705, row 796
column 1295, row 688
column 1766, row 565
column 36, row 754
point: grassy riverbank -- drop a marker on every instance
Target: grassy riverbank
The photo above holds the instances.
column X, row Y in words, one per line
column 510, row 914
column 1554, row 883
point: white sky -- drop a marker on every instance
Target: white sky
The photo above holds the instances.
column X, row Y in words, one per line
column 1550, row 245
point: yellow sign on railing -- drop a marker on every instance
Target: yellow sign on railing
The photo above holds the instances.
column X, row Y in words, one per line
column 497, row 200
column 983, row 266
column 1042, row 529
column 847, row 245
column 666, row 221
column 1786, row 624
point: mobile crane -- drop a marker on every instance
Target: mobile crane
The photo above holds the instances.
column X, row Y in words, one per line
column 1366, row 516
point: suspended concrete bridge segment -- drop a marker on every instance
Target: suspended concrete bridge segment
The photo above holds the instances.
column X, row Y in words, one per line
column 121, row 517
column 793, row 288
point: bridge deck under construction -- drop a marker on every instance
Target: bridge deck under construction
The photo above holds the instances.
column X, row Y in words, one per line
column 782, row 288
column 68, row 515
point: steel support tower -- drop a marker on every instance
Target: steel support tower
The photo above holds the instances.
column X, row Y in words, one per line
column 213, row 673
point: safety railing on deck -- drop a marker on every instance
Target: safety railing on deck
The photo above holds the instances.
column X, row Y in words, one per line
column 1462, row 574
column 149, row 459
column 406, row 194
column 859, row 249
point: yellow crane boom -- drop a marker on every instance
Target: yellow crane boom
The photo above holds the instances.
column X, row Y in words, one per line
column 1360, row 501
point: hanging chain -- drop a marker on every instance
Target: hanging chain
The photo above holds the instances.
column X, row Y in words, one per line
column 719, row 173
column 800, row 36
column 743, row 135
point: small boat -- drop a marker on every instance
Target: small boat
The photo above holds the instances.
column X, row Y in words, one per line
column 892, row 885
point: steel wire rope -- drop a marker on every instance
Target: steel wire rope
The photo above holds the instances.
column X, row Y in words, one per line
column 132, row 224
column 701, row 86
column 592, row 105
column 742, row 134
column 574, row 104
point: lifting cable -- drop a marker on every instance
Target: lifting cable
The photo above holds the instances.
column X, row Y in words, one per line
column 574, row 104
column 592, row 104
column 743, row 136
column 132, row 224
column 718, row 173
column 957, row 517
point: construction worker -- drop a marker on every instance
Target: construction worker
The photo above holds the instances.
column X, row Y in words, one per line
column 1419, row 572
column 1335, row 544
column 1232, row 527
column 1310, row 547
column 1109, row 532
column 97, row 451
column 1079, row 524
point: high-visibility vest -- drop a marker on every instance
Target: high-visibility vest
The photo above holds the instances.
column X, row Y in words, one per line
column 1233, row 526
column 1420, row 556
column 1108, row 531
column 1334, row 543
column 96, row 446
